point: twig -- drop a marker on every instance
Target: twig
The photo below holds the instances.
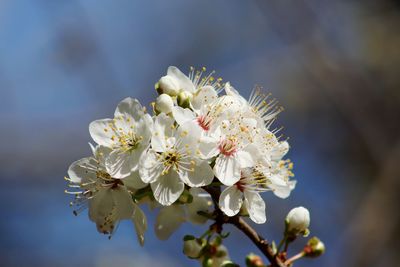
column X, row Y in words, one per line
column 240, row 224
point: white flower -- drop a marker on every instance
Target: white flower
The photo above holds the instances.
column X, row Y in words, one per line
column 175, row 81
column 234, row 149
column 246, row 191
column 276, row 170
column 127, row 135
column 258, row 107
column 164, row 103
column 173, row 161
column 298, row 221
column 109, row 200
column 279, row 178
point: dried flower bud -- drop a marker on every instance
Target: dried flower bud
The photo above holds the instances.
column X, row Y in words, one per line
column 164, row 103
column 297, row 221
column 314, row 248
column 168, row 85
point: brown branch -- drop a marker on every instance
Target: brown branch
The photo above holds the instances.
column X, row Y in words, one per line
column 221, row 219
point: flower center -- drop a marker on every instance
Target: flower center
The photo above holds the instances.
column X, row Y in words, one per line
column 204, row 122
column 107, row 180
column 171, row 159
column 228, row 146
column 130, row 141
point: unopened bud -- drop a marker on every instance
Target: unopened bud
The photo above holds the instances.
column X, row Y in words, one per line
column 184, row 99
column 192, row 248
column 298, row 221
column 253, row 260
column 164, row 103
column 167, row 85
column 314, row 248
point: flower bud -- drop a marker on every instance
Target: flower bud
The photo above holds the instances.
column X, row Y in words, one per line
column 191, row 248
column 168, row 85
column 184, row 99
column 297, row 221
column 164, row 103
column 314, row 248
column 253, row 260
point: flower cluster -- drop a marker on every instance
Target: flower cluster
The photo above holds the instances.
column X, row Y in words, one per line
column 202, row 131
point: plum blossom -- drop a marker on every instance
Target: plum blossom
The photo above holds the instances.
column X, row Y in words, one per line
column 109, row 199
column 127, row 135
column 173, row 161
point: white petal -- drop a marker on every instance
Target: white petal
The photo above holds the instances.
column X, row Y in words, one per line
column 248, row 156
column 208, row 147
column 168, row 221
column 184, row 82
column 82, row 170
column 162, row 129
column 123, row 203
column 121, row 164
column 280, row 151
column 167, row 188
column 200, row 203
column 102, row 132
column 255, row 206
column 140, row 222
column 150, row 168
column 201, row 175
column 231, row 201
column 282, row 189
column 227, row 169
column 100, row 207
column 134, row 181
column 204, row 96
column 188, row 135
column 182, row 115
column 101, row 154
column 129, row 108
column 144, row 129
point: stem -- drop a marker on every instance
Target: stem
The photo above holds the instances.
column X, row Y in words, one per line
column 294, row 258
column 281, row 244
column 244, row 227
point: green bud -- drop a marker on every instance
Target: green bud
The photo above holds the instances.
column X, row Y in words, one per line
column 184, row 99
column 314, row 248
column 253, row 260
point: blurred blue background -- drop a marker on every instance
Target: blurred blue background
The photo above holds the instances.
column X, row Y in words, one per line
column 333, row 65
